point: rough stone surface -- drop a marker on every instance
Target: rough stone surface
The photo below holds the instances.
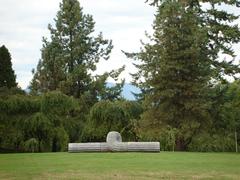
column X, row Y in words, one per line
column 113, row 137
column 119, row 147
column 143, row 146
column 114, row 144
column 88, row 147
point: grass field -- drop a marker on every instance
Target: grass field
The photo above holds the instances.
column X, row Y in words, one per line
column 100, row 166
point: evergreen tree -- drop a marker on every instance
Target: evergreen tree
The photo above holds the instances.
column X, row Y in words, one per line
column 179, row 65
column 50, row 69
column 72, row 54
column 222, row 32
column 7, row 76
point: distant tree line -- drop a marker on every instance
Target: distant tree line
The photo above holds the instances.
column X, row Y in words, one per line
column 186, row 101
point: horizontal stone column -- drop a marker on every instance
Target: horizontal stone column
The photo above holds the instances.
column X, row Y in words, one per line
column 119, row 147
column 136, row 147
column 115, row 147
column 88, row 147
column 114, row 144
column 143, row 146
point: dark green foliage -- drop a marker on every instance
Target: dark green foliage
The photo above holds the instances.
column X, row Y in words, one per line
column 43, row 120
column 5, row 92
column 60, row 139
column 176, row 72
column 181, row 63
column 231, row 107
column 168, row 138
column 31, row 145
column 225, row 120
column 222, row 32
column 186, row 102
column 11, row 137
column 20, row 104
column 106, row 116
column 48, row 122
column 230, row 112
column 39, row 127
column 56, row 103
column 212, row 143
column 62, row 112
column 67, row 62
column 7, row 76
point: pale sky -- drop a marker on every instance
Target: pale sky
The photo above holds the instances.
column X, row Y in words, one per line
column 24, row 23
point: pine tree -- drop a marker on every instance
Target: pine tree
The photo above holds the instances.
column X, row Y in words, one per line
column 222, row 32
column 72, row 54
column 50, row 70
column 7, row 76
column 178, row 66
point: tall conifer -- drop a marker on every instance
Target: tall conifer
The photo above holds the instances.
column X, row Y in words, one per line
column 7, row 76
column 72, row 54
column 179, row 64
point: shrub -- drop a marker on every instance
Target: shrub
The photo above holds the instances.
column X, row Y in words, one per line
column 105, row 116
column 20, row 104
column 57, row 103
column 205, row 142
column 39, row 127
column 59, row 139
column 31, row 145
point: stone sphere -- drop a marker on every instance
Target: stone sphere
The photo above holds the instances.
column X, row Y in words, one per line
column 113, row 137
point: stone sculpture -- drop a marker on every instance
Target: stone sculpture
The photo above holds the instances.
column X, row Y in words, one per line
column 114, row 144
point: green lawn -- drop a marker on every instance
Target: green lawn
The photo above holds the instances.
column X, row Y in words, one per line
column 164, row 165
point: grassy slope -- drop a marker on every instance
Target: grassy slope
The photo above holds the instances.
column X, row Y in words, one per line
column 120, row 166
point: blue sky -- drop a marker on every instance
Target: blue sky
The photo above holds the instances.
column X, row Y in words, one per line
column 24, row 23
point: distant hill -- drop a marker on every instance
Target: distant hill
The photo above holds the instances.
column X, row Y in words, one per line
column 128, row 89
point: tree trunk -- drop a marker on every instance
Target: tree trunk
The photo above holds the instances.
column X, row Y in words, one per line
column 54, row 145
column 39, row 146
column 180, row 145
column 236, row 141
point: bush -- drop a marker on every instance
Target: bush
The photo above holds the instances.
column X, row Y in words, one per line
column 5, row 92
column 59, row 139
column 20, row 104
column 48, row 120
column 105, row 116
column 212, row 143
column 31, row 145
column 39, row 127
column 57, row 103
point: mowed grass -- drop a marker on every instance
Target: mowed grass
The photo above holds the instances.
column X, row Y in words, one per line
column 164, row 165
